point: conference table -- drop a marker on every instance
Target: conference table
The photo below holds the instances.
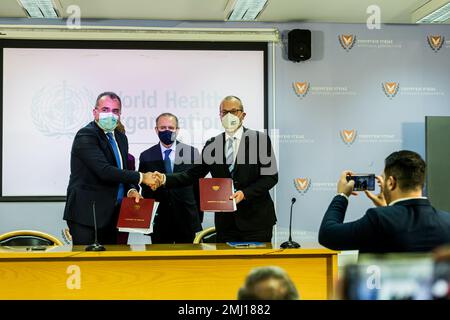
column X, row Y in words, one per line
column 162, row 272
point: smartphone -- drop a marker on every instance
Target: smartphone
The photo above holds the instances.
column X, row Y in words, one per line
column 363, row 182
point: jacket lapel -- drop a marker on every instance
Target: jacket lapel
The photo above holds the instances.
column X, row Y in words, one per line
column 104, row 140
column 242, row 149
column 120, row 138
column 178, row 154
column 224, row 165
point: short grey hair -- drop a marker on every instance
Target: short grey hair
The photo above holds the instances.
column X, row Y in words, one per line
column 284, row 290
column 231, row 98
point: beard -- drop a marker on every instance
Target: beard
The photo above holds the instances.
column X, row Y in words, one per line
column 387, row 194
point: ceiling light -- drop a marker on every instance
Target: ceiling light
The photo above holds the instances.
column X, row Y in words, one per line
column 39, row 8
column 439, row 15
column 244, row 10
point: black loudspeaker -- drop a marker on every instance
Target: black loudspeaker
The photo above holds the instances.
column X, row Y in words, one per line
column 299, row 45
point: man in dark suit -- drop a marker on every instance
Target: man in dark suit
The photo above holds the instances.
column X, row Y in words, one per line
column 99, row 175
column 247, row 157
column 178, row 217
column 404, row 220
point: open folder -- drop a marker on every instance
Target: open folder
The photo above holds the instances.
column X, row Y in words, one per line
column 137, row 217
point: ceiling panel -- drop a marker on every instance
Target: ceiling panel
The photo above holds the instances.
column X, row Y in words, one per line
column 11, row 9
column 150, row 9
column 343, row 11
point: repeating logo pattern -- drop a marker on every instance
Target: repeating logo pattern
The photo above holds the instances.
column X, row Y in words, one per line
column 302, row 185
column 436, row 42
column 390, row 89
column 348, row 136
column 347, row 41
column 301, row 88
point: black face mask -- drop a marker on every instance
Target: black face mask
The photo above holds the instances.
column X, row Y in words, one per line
column 167, row 137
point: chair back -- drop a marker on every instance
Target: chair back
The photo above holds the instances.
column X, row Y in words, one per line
column 206, row 236
column 28, row 238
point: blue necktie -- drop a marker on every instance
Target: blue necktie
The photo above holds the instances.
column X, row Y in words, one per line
column 167, row 163
column 121, row 191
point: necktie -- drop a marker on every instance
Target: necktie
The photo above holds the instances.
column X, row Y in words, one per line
column 167, row 163
column 229, row 155
column 112, row 142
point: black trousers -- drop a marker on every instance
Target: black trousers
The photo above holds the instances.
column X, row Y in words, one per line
column 85, row 235
column 170, row 228
column 233, row 234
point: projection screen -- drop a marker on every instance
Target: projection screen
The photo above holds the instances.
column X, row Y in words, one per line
column 49, row 90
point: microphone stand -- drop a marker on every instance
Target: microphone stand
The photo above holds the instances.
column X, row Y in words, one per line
column 290, row 244
column 95, row 246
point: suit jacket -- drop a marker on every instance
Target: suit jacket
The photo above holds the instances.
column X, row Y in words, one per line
column 407, row 226
column 180, row 202
column 255, row 173
column 94, row 176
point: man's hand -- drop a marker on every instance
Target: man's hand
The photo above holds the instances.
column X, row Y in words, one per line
column 344, row 186
column 378, row 200
column 151, row 180
column 159, row 177
column 134, row 194
column 238, row 196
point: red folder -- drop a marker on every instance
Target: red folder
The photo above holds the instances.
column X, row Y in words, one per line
column 137, row 217
column 215, row 195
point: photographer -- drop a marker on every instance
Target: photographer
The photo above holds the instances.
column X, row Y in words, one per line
column 404, row 220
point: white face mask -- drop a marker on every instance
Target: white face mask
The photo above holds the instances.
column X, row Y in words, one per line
column 231, row 123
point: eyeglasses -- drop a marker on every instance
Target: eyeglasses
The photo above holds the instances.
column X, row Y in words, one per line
column 233, row 111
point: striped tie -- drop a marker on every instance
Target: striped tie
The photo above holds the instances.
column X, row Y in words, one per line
column 229, row 155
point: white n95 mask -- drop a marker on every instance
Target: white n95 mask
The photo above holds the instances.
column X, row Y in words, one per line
column 231, row 123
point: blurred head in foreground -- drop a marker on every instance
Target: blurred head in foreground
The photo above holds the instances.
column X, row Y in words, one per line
column 268, row 283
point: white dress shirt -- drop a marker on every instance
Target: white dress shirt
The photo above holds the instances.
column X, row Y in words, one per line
column 404, row 199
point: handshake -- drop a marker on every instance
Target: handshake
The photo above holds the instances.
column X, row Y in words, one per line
column 153, row 179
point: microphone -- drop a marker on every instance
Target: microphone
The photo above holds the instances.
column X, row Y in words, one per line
column 95, row 246
column 290, row 244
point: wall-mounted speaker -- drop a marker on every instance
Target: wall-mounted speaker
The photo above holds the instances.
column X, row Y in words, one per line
column 299, row 45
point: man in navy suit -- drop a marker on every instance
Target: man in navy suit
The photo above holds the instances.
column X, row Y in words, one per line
column 246, row 156
column 179, row 217
column 404, row 220
column 98, row 175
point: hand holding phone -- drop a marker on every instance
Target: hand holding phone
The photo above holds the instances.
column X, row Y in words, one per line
column 345, row 187
column 377, row 199
column 363, row 182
